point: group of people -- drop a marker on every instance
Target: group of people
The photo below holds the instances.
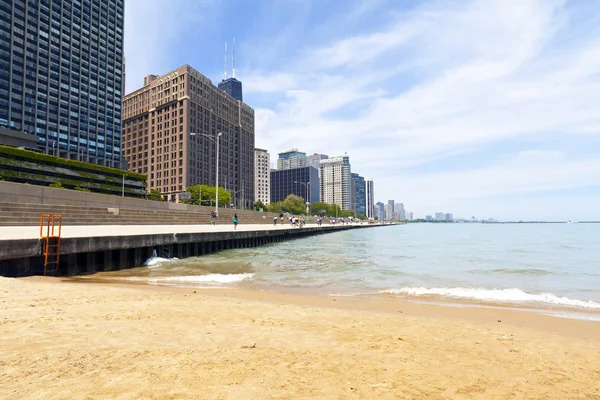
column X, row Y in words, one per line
column 298, row 221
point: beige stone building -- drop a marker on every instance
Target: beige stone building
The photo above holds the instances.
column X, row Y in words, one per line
column 158, row 120
column 262, row 177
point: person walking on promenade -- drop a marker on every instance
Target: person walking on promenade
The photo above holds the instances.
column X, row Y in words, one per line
column 275, row 220
column 281, row 219
column 213, row 218
column 235, row 221
column 303, row 220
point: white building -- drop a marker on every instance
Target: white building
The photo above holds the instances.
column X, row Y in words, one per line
column 370, row 198
column 389, row 212
column 335, row 181
column 262, row 168
column 400, row 210
column 440, row 216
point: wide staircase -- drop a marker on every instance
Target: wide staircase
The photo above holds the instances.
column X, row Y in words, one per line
column 19, row 214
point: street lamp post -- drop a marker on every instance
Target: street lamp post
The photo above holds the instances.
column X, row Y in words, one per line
column 235, row 193
column 217, row 169
column 307, row 193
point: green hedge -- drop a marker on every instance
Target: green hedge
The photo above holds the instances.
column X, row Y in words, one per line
column 68, row 163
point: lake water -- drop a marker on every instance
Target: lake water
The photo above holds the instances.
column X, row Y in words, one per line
column 555, row 266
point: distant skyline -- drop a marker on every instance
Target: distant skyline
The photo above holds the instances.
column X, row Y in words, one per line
column 479, row 107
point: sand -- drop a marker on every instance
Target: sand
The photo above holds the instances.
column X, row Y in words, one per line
column 62, row 339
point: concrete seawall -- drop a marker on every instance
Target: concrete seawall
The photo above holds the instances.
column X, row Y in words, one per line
column 86, row 255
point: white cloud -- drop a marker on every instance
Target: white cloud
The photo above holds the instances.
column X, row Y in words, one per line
column 474, row 77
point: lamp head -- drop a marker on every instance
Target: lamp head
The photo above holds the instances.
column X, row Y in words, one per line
column 220, row 134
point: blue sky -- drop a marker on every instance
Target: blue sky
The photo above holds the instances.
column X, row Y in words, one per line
column 485, row 108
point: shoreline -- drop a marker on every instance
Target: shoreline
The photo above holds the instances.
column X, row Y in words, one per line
column 471, row 311
column 63, row 338
column 551, row 310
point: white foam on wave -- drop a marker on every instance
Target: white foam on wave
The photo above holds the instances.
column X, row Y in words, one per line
column 501, row 295
column 152, row 261
column 209, row 278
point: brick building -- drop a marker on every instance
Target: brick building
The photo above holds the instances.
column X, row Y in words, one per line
column 158, row 120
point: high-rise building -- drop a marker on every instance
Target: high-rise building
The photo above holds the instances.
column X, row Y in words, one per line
column 369, row 198
column 358, row 197
column 389, row 212
column 262, row 177
column 291, row 159
column 380, row 211
column 391, row 204
column 410, row 216
column 440, row 216
column 232, row 87
column 429, row 218
column 303, row 182
column 399, row 208
column 171, row 128
column 335, row 181
column 313, row 161
column 61, row 76
column 449, row 217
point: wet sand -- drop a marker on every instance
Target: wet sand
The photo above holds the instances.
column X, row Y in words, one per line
column 66, row 339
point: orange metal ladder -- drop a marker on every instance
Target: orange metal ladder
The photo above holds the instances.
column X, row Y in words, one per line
column 53, row 225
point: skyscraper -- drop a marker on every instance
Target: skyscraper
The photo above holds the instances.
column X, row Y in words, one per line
column 358, row 194
column 399, row 208
column 313, row 161
column 335, row 181
column 170, row 132
column 369, row 198
column 291, row 159
column 232, row 87
column 391, row 204
column 61, row 75
column 262, row 178
column 380, row 211
column 303, row 182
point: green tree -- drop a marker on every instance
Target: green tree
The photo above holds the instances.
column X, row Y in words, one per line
column 155, row 195
column 319, row 208
column 276, row 207
column 294, row 204
column 259, row 205
column 206, row 195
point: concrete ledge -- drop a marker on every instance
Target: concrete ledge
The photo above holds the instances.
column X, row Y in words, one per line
column 86, row 255
column 20, row 248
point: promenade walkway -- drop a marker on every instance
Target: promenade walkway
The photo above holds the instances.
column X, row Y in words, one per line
column 78, row 231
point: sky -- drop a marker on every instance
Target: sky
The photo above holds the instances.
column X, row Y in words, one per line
column 477, row 108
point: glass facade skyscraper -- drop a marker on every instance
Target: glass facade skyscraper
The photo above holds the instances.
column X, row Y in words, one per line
column 61, row 75
column 303, row 182
column 358, row 194
column 232, row 87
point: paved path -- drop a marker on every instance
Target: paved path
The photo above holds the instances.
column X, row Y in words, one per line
column 33, row 232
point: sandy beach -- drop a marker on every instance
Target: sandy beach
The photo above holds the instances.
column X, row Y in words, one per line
column 65, row 339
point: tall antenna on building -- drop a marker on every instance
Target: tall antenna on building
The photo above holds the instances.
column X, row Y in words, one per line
column 233, row 60
column 225, row 63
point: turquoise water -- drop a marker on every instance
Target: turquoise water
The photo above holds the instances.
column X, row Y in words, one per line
column 539, row 265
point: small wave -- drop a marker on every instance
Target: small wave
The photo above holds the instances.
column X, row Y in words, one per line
column 209, row 278
column 502, row 295
column 158, row 260
column 521, row 271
